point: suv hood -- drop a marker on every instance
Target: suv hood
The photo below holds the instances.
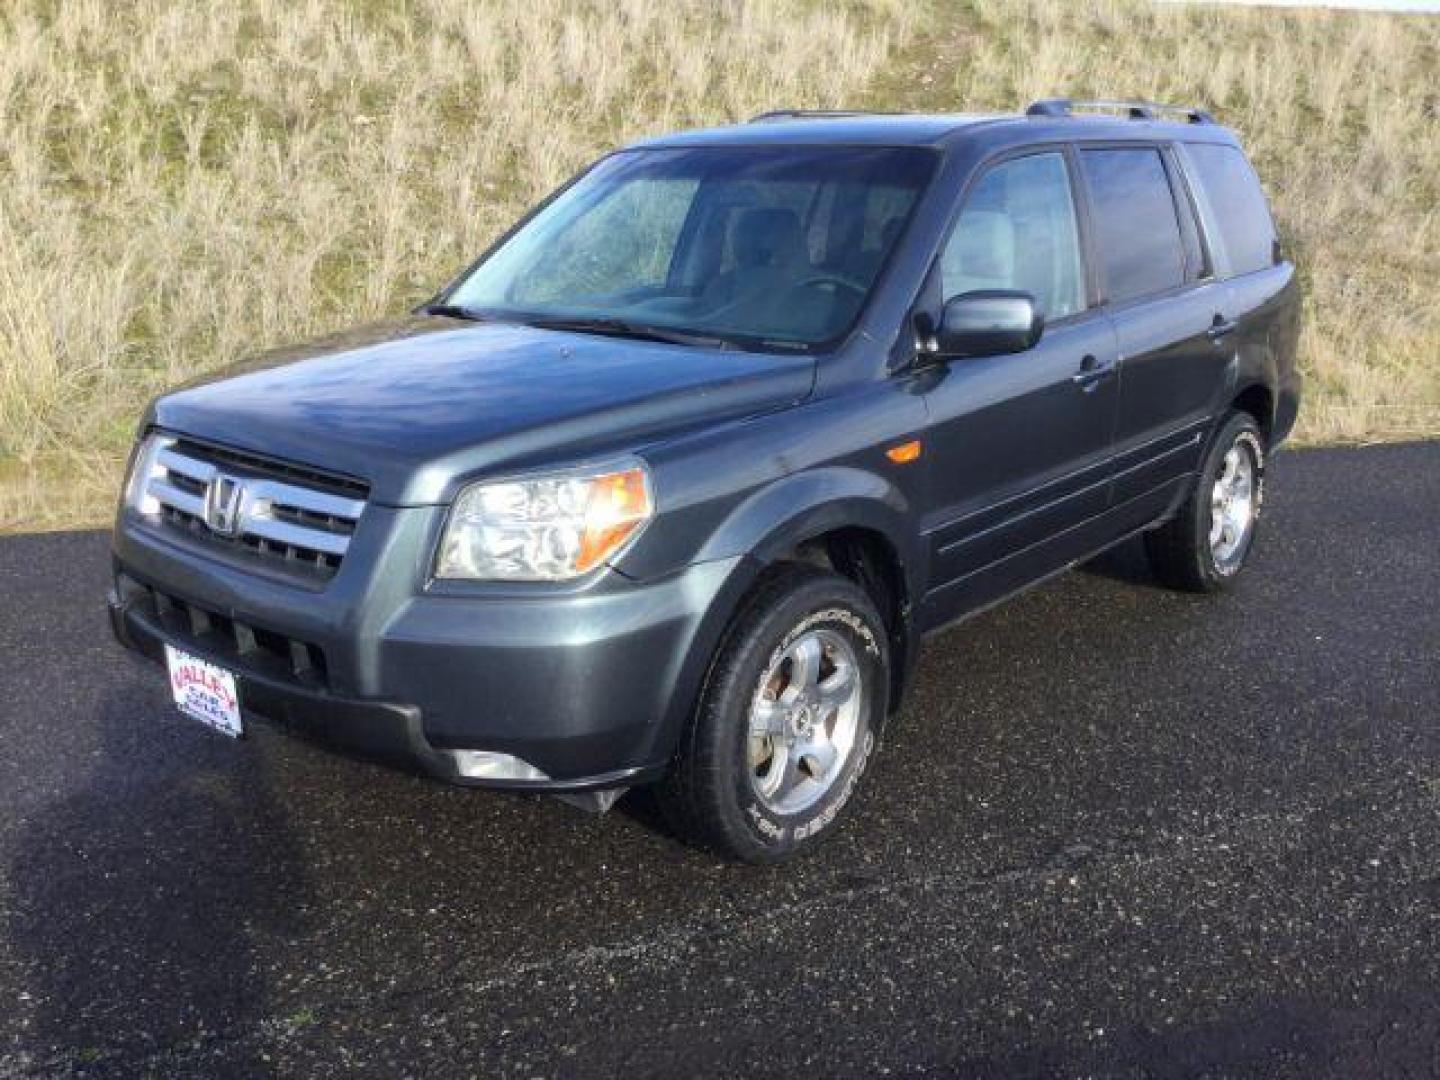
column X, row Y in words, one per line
column 413, row 404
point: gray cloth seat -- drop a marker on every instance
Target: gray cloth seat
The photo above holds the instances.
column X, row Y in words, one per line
column 767, row 247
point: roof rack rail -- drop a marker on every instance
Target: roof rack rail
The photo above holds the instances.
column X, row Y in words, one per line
column 807, row 114
column 1134, row 110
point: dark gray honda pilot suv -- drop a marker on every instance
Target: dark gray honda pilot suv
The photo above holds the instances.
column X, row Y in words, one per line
column 667, row 487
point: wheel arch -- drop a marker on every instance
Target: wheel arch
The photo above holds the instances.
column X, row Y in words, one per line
column 868, row 558
column 851, row 521
column 1258, row 400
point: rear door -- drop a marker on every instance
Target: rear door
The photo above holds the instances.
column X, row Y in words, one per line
column 1171, row 319
column 1018, row 446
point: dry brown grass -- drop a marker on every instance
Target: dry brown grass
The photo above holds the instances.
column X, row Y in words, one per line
column 184, row 181
column 181, row 181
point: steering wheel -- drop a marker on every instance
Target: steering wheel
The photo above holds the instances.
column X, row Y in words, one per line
column 832, row 279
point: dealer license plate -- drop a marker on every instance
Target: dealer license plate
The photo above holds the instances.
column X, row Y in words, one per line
column 205, row 692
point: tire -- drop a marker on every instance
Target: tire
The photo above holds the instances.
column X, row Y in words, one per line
column 782, row 669
column 1204, row 546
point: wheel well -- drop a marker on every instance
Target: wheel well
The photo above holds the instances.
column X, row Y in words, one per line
column 867, row 558
column 1259, row 403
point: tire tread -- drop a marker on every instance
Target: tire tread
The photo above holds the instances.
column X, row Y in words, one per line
column 1179, row 549
column 691, row 794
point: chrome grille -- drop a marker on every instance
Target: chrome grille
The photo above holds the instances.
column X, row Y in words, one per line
column 256, row 506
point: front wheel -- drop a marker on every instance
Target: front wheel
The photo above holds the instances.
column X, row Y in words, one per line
column 787, row 720
column 1205, row 545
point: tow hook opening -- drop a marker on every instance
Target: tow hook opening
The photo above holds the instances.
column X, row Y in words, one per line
column 593, row 802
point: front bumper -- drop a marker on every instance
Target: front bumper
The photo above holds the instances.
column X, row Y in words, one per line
column 588, row 685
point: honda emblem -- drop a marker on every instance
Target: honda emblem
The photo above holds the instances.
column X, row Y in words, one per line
column 223, row 498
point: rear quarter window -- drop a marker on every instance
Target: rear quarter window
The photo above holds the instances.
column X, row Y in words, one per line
column 1237, row 206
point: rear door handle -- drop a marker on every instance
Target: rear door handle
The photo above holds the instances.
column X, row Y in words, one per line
column 1221, row 328
column 1092, row 372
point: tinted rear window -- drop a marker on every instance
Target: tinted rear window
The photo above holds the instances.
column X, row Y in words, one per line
column 1237, row 206
column 1137, row 230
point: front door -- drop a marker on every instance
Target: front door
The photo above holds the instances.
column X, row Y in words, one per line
column 1018, row 446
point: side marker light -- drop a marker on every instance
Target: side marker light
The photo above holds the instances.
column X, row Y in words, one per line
column 905, row 453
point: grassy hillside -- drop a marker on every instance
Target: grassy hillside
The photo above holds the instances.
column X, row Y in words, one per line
column 184, row 181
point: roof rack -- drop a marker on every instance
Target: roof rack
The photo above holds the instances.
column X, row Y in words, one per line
column 1134, row 110
column 806, row 114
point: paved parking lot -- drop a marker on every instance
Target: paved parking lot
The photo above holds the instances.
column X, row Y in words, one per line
column 1120, row 832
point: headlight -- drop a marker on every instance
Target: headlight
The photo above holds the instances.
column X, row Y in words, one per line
column 144, row 467
column 546, row 528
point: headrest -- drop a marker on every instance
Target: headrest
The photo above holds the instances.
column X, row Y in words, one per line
column 766, row 236
column 986, row 245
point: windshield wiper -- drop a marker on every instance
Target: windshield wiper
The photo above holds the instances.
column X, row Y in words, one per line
column 625, row 328
column 454, row 311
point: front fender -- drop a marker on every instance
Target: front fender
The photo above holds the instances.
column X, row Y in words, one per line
column 748, row 493
column 785, row 513
column 773, row 521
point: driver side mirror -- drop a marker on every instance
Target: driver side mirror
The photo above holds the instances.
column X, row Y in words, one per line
column 988, row 322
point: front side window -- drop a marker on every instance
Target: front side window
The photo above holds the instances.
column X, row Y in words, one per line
column 1017, row 231
column 1237, row 206
column 1137, row 230
column 761, row 245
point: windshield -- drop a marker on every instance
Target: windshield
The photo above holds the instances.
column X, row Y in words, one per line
column 762, row 246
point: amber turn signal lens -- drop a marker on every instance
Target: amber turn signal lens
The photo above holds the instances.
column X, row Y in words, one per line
column 619, row 504
column 905, row 453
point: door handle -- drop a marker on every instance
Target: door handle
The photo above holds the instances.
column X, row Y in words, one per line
column 1092, row 372
column 1221, row 327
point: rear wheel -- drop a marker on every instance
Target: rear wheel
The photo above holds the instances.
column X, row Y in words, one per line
column 1205, row 545
column 787, row 721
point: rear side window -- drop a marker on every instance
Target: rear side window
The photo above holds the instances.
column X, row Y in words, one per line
column 1237, row 206
column 1137, row 230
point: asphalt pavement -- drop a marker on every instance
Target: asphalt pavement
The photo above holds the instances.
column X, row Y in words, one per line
column 1119, row 832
